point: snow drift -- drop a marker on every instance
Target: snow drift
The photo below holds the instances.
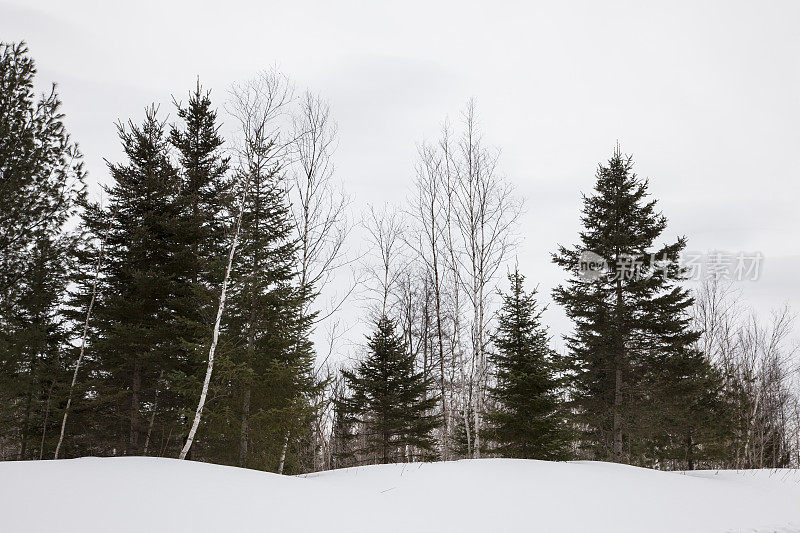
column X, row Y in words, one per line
column 489, row 495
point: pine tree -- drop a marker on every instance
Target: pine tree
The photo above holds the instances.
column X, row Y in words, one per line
column 41, row 189
column 527, row 421
column 137, row 334
column 632, row 333
column 390, row 401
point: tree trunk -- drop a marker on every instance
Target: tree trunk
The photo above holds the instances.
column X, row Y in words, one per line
column 46, row 416
column 618, row 362
column 26, row 422
column 136, row 386
column 617, row 429
column 440, row 335
column 474, row 381
column 283, row 453
column 465, row 412
column 243, row 434
column 476, row 453
column 152, row 415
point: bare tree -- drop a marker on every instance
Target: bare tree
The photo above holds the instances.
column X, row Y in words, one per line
column 428, row 209
column 453, row 280
column 757, row 362
column 319, row 204
column 386, row 258
column 319, row 211
column 764, row 371
column 464, row 213
column 717, row 314
column 485, row 214
column 325, row 373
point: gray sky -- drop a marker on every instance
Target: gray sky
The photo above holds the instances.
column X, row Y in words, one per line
column 705, row 95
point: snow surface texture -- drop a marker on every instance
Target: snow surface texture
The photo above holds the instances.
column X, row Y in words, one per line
column 488, row 495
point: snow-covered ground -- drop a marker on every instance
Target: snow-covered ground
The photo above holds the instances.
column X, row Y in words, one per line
column 489, row 495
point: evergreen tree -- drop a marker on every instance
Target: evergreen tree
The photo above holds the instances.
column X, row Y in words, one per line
column 204, row 233
column 527, row 421
column 206, row 194
column 137, row 332
column 390, row 402
column 41, row 189
column 265, row 379
column 688, row 414
column 632, row 338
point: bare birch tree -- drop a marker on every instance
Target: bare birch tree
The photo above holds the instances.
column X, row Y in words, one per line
column 386, row 259
column 427, row 208
column 464, row 213
column 486, row 212
column 758, row 363
column 319, row 205
column 454, row 282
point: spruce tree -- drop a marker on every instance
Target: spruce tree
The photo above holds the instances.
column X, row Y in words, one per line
column 203, row 231
column 41, row 189
column 527, row 421
column 632, row 334
column 206, row 194
column 136, row 339
column 390, row 401
column 690, row 411
column 265, row 378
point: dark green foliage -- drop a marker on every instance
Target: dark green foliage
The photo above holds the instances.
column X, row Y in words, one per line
column 41, row 168
column 265, row 380
column 527, row 421
column 41, row 188
column 632, row 343
column 389, row 402
column 343, row 433
column 137, row 329
column 205, row 195
column 689, row 411
column 169, row 235
column 205, row 203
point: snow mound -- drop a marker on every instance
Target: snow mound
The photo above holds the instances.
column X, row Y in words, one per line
column 489, row 495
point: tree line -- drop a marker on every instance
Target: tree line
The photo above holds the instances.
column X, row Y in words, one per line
column 174, row 317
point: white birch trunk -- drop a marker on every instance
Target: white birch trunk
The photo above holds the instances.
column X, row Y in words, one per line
column 215, row 337
column 283, row 453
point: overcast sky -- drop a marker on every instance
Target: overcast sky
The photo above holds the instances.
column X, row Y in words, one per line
column 704, row 95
